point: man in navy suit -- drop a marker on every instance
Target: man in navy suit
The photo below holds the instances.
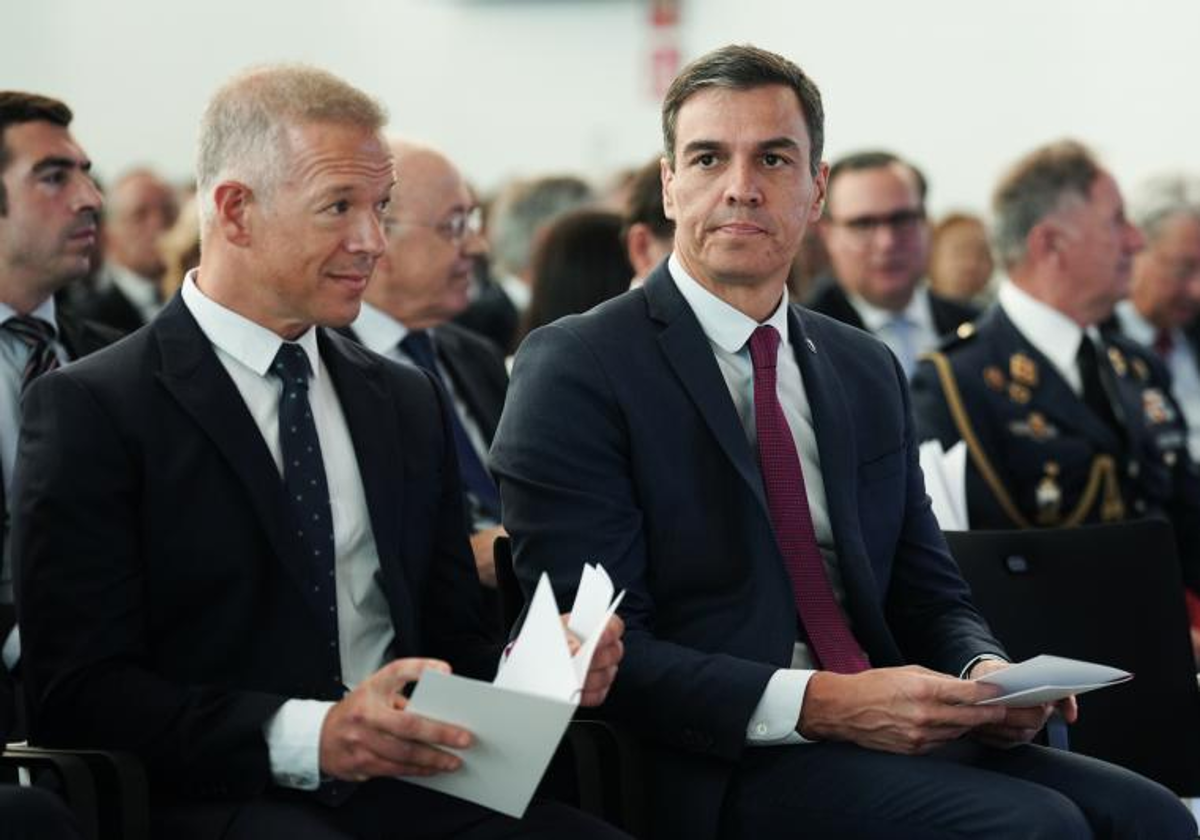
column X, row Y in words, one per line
column 238, row 532
column 797, row 632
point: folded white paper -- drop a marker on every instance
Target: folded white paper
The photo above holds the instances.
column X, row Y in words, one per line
column 518, row 719
column 946, row 483
column 1045, row 679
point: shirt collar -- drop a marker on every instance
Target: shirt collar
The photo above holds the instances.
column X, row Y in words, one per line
column 1055, row 335
column 142, row 293
column 875, row 318
column 250, row 343
column 44, row 311
column 378, row 331
column 725, row 326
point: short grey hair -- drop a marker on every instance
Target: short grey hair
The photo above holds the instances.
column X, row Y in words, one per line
column 1038, row 185
column 1162, row 198
column 243, row 133
column 744, row 67
column 525, row 207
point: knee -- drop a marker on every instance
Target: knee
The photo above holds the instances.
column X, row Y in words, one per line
column 27, row 813
column 1146, row 811
column 1048, row 816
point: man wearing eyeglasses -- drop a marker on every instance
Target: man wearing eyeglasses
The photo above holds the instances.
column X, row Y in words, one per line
column 434, row 239
column 878, row 242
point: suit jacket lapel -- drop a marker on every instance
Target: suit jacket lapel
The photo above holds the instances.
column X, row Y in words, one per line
column 195, row 377
column 688, row 353
column 467, row 382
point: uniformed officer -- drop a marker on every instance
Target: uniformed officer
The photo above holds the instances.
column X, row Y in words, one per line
column 1063, row 426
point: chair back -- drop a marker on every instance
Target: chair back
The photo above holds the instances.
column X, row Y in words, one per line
column 1111, row 594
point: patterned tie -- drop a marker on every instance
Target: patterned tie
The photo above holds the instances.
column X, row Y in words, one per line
column 38, row 336
column 475, row 477
column 304, row 480
column 835, row 647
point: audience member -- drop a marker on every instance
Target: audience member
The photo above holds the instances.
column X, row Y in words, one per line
column 48, row 209
column 1164, row 298
column 421, row 282
column 647, row 232
column 878, row 242
column 180, row 248
column 1064, row 426
column 141, row 208
column 960, row 260
column 579, row 263
column 230, row 523
column 765, row 513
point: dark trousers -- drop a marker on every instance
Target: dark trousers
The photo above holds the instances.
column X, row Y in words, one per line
column 34, row 814
column 379, row 810
column 963, row 790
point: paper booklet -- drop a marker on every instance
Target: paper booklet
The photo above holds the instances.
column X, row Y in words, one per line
column 518, row 719
column 1045, row 679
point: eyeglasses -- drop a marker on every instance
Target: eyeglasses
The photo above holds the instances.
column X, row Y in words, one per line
column 901, row 223
column 454, row 227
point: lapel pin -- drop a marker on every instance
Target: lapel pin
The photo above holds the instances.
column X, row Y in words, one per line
column 812, row 348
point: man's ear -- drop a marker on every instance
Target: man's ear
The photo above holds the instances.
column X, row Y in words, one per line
column 821, row 184
column 1044, row 241
column 668, row 182
column 233, row 201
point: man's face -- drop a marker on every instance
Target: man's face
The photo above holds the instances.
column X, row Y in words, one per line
column 1166, row 276
column 741, row 192
column 876, row 234
column 1096, row 249
column 433, row 241
column 315, row 241
column 49, row 230
column 140, row 209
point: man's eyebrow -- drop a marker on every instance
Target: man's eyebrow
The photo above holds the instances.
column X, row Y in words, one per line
column 779, row 143
column 702, row 146
column 57, row 162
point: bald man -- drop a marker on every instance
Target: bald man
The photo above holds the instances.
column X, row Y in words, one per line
column 433, row 242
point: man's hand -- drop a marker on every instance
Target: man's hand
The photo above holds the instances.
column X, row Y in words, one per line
column 603, row 668
column 1021, row 723
column 368, row 733
column 908, row 710
column 483, row 546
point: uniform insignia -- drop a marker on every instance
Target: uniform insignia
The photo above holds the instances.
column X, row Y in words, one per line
column 994, row 377
column 965, row 330
column 1023, row 370
column 1035, row 427
column 1156, row 407
column 1018, row 393
column 1117, row 359
column 1140, row 369
column 1049, row 495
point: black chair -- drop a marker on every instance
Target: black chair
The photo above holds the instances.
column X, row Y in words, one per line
column 1111, row 594
column 605, row 759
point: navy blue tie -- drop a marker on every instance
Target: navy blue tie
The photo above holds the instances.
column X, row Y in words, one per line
column 419, row 347
column 307, row 489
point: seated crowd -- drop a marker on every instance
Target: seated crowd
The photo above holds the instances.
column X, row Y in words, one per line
column 253, row 487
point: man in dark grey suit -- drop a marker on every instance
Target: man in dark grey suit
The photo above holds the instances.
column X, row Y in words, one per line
column 434, row 243
column 239, row 533
column 747, row 471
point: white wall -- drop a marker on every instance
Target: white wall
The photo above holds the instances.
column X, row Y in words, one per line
column 518, row 86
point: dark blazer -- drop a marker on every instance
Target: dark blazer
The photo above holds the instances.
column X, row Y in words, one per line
column 162, row 593
column 1039, row 456
column 477, row 367
column 620, row 445
column 110, row 306
column 831, row 300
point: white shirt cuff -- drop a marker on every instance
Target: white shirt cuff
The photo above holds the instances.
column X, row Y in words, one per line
column 294, row 743
column 777, row 714
column 983, row 657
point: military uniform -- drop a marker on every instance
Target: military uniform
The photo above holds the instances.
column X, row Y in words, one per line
column 1039, row 456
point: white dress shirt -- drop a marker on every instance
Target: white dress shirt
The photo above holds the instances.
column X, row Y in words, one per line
column 14, row 353
column 908, row 333
column 1181, row 361
column 728, row 331
column 365, row 631
column 1054, row 335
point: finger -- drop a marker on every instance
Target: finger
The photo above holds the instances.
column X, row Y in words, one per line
column 609, row 655
column 966, row 692
column 412, row 727
column 397, row 751
column 1027, row 717
column 1068, row 707
column 393, row 677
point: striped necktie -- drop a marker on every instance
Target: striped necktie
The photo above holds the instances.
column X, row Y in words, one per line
column 38, row 336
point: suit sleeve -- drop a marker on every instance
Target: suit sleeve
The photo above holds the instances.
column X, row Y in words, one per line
column 565, row 461
column 81, row 590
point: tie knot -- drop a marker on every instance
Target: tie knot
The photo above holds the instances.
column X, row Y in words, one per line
column 764, row 347
column 33, row 331
column 419, row 346
column 291, row 365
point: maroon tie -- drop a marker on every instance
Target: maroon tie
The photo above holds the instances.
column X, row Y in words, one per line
column 1163, row 343
column 834, row 645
